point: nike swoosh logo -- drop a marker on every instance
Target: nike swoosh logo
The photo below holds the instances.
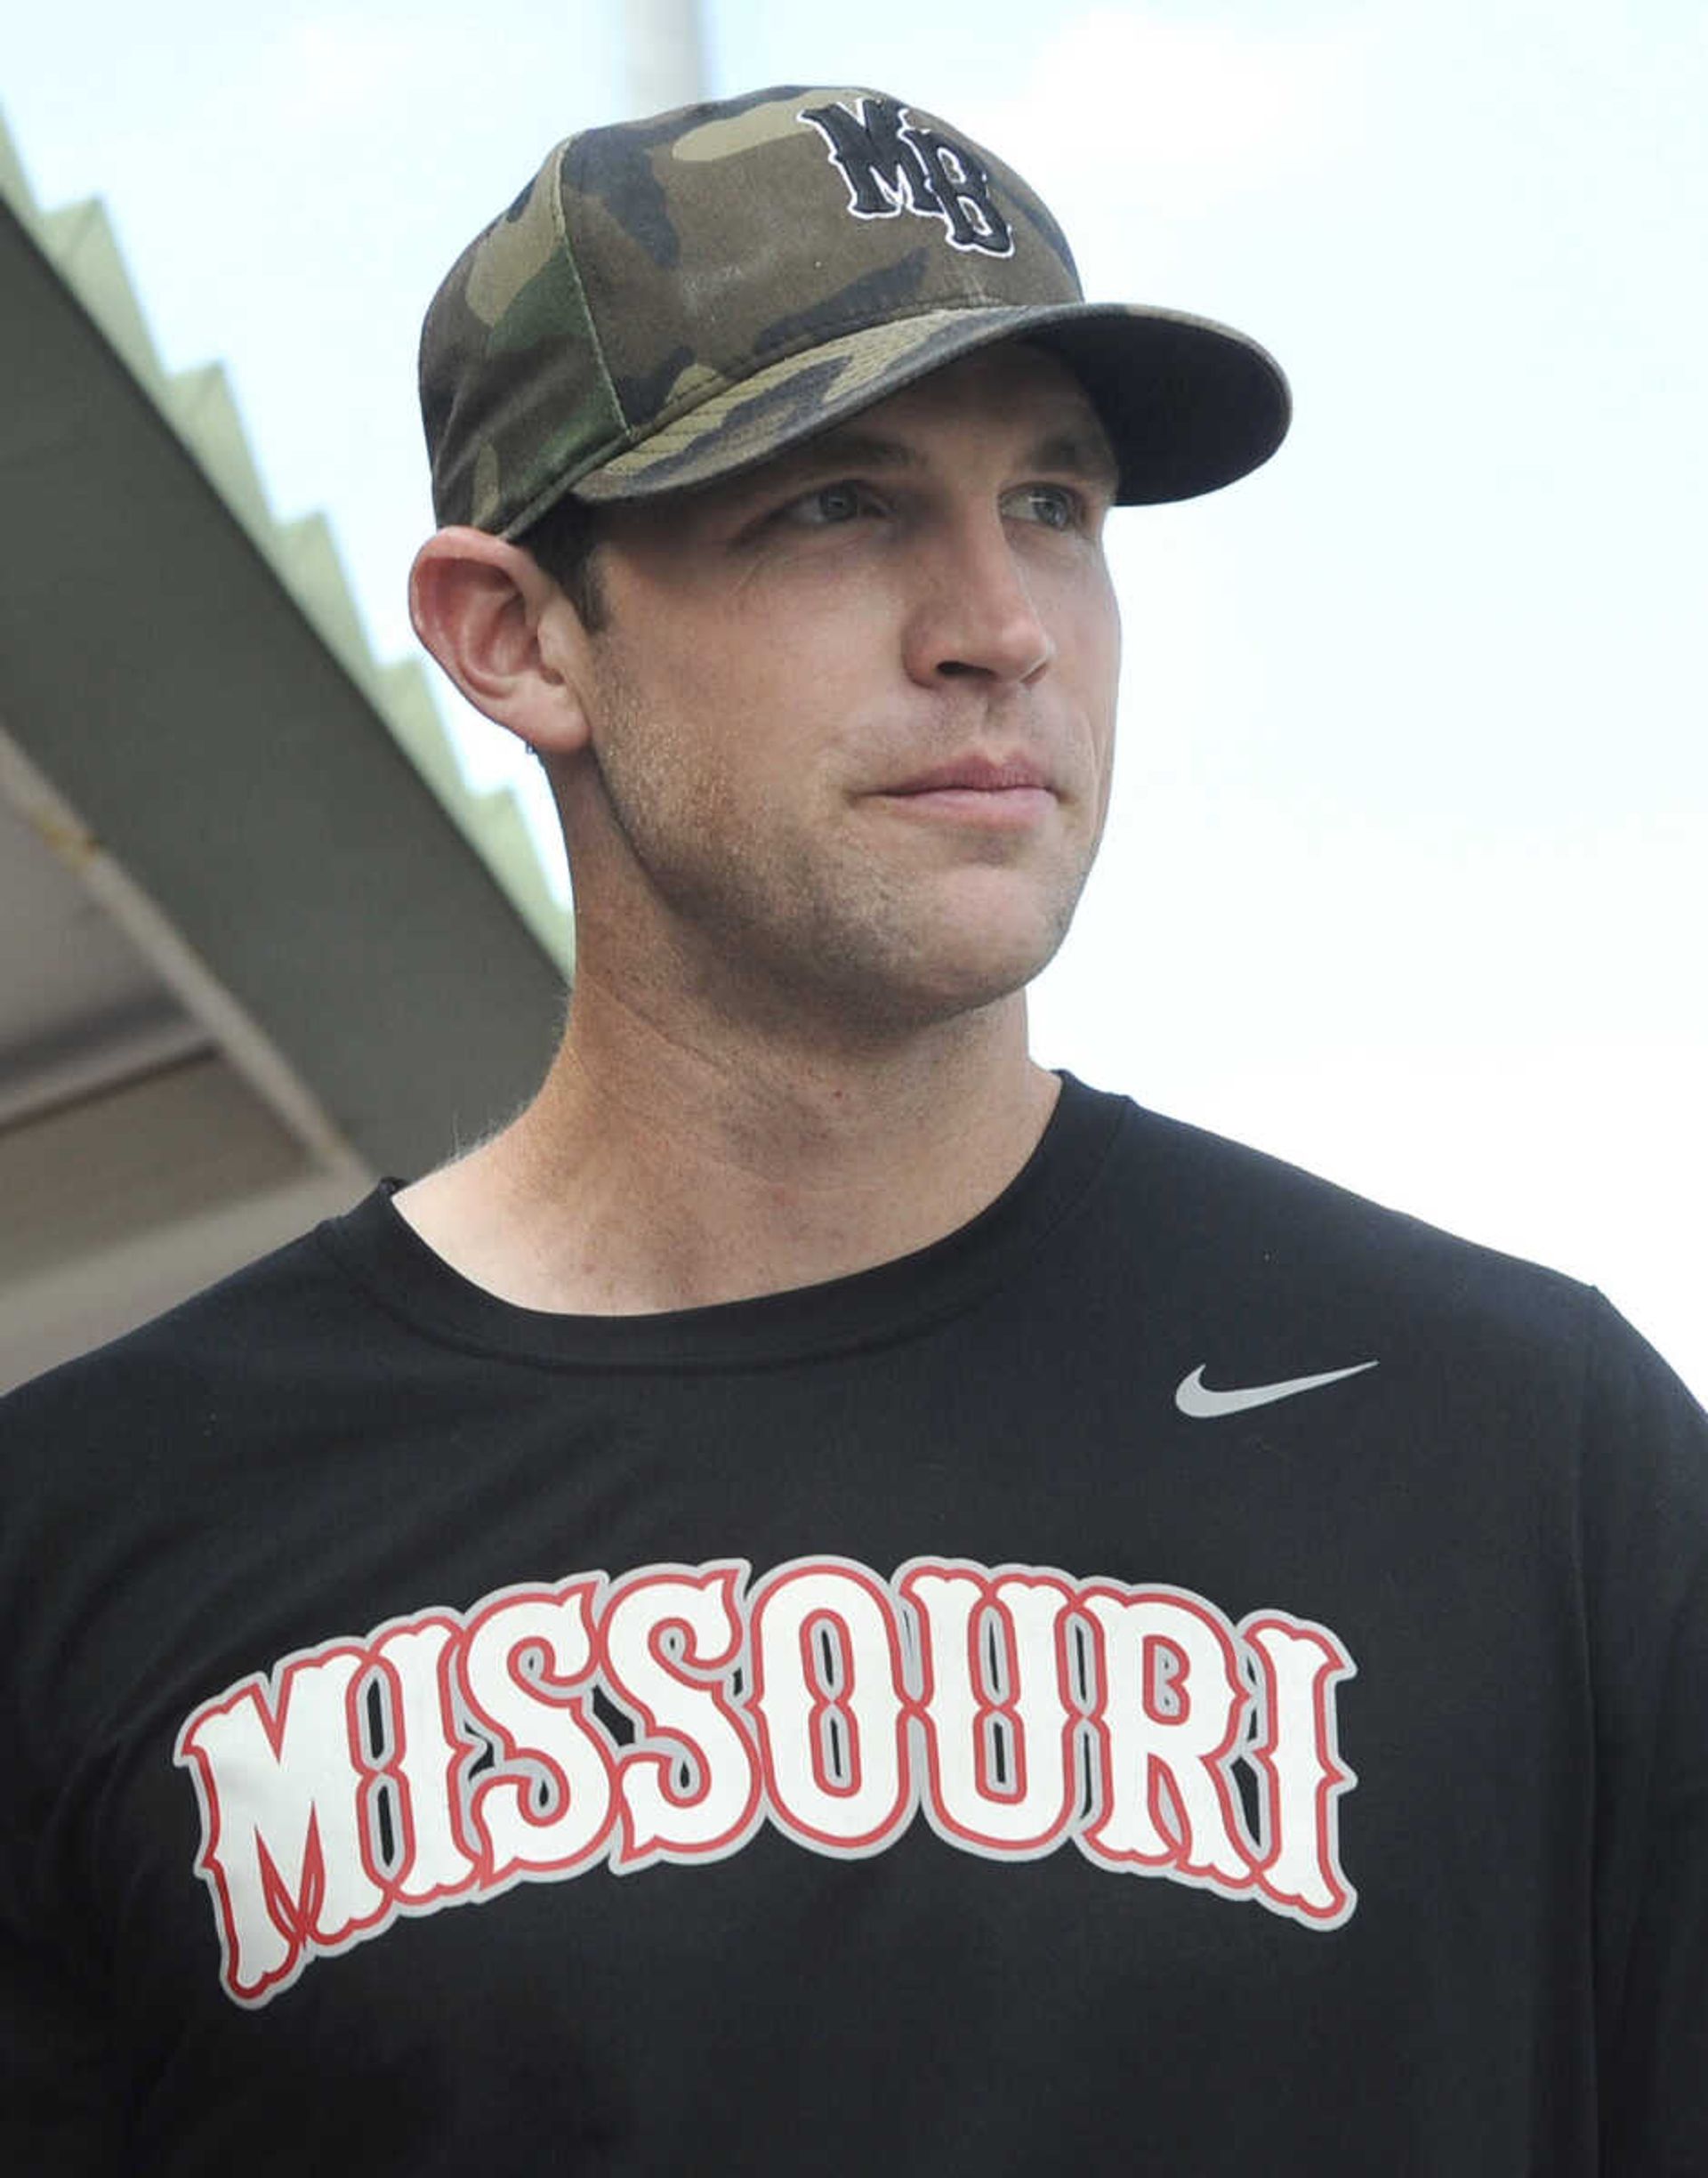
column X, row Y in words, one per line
column 1194, row 1397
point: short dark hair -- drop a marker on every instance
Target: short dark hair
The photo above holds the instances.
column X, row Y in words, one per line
column 564, row 542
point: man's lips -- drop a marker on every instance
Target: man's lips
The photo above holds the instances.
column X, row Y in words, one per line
column 999, row 793
column 976, row 775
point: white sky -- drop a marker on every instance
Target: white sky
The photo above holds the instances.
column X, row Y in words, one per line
column 1407, row 876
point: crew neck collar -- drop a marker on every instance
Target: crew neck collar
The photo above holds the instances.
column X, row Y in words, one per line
column 376, row 1246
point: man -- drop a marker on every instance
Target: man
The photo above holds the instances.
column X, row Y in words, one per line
column 826, row 1601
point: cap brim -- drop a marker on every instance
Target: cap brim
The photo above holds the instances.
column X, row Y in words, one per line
column 1189, row 405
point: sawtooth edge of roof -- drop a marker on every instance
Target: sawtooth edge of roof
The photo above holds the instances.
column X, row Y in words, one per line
column 198, row 406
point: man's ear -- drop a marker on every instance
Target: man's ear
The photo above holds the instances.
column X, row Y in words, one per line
column 505, row 634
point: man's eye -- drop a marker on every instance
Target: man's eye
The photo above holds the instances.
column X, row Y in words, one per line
column 829, row 504
column 1052, row 505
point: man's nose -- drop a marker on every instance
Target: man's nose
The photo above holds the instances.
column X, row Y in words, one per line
column 973, row 611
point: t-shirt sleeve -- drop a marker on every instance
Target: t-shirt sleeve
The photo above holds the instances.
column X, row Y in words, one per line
column 1645, row 1540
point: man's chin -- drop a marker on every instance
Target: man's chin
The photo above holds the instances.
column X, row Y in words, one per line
column 981, row 968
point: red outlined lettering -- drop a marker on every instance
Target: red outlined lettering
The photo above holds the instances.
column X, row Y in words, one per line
column 427, row 1760
column 550, row 1805
column 1171, row 1710
column 448, row 1755
column 830, row 1701
column 285, row 1854
column 1297, row 1754
column 1000, row 1727
column 672, row 1639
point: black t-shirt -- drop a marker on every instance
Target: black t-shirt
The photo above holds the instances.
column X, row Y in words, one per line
column 1191, row 1673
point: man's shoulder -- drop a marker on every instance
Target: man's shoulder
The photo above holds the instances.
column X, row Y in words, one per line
column 1266, row 1272
column 249, row 1327
column 1201, row 1179
column 1258, row 1226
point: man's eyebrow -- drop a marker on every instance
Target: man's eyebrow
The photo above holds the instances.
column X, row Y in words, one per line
column 1083, row 454
column 1070, row 451
column 850, row 449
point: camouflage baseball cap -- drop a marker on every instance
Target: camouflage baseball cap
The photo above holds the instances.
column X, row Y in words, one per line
column 671, row 300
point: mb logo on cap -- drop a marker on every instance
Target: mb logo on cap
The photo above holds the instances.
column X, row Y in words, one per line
column 893, row 165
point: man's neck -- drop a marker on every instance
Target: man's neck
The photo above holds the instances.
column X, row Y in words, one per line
column 653, row 1172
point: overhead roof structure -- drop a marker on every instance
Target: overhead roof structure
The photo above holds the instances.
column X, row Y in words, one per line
column 259, row 939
